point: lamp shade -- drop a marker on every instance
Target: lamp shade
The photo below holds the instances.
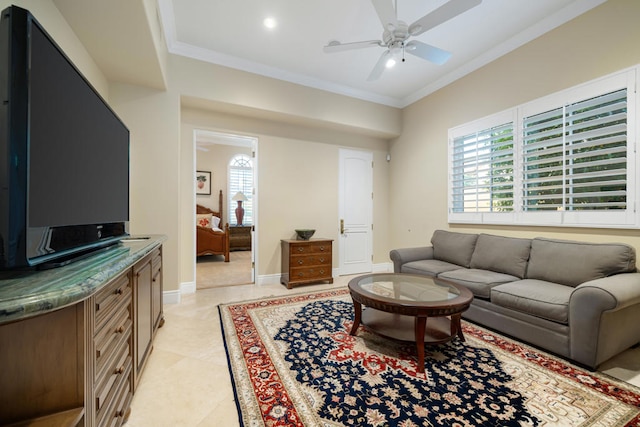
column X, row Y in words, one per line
column 239, row 196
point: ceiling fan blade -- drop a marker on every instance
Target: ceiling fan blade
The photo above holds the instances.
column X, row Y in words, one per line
column 428, row 52
column 442, row 14
column 336, row 46
column 380, row 66
column 386, row 13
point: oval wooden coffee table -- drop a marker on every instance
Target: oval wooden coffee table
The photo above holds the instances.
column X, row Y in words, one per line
column 398, row 306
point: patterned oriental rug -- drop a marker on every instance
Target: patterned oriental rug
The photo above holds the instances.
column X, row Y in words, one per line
column 293, row 363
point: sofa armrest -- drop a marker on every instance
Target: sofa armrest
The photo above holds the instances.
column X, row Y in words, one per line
column 603, row 315
column 404, row 255
column 619, row 290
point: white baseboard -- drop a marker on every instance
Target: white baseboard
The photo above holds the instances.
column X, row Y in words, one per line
column 383, row 267
column 174, row 297
column 171, row 297
column 187, row 288
column 268, row 279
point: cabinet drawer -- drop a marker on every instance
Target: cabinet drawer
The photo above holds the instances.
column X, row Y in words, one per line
column 310, row 248
column 314, row 273
column 111, row 337
column 122, row 407
column 117, row 399
column 156, row 261
column 309, row 260
column 113, row 370
column 113, row 295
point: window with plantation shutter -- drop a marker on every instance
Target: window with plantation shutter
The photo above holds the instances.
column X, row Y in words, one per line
column 482, row 170
column 575, row 157
column 568, row 159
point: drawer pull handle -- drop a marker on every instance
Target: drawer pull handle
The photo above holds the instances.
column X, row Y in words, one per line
column 321, row 248
column 321, row 259
column 119, row 370
column 120, row 413
column 120, row 330
column 299, row 262
column 300, row 249
column 118, row 291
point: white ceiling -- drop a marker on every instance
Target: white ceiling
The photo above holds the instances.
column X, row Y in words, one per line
column 231, row 33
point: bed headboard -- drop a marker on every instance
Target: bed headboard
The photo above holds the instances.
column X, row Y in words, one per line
column 204, row 210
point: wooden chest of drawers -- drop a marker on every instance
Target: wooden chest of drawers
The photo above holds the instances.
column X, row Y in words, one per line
column 306, row 261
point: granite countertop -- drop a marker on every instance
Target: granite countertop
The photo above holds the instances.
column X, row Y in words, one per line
column 25, row 294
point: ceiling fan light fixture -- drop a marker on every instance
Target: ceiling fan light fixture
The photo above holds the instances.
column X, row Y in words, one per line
column 396, row 35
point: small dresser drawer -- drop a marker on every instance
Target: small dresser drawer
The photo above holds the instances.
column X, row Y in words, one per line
column 309, row 260
column 112, row 336
column 306, row 261
column 116, row 293
column 110, row 376
column 310, row 273
column 117, row 399
column 308, row 247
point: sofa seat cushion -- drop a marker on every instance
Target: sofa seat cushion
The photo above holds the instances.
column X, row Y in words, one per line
column 479, row 282
column 507, row 255
column 535, row 297
column 430, row 267
column 572, row 263
column 452, row 247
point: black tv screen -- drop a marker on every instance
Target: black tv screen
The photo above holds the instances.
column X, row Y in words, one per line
column 65, row 177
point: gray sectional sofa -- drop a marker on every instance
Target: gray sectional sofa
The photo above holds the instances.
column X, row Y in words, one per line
column 578, row 300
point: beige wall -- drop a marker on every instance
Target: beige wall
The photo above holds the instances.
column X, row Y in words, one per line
column 597, row 43
column 153, row 118
column 54, row 23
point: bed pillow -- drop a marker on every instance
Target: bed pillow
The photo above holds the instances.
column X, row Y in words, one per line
column 215, row 222
column 204, row 220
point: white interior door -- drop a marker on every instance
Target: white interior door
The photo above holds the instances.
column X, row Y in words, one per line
column 254, row 235
column 355, row 206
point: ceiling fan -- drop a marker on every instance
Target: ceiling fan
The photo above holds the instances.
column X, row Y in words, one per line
column 396, row 35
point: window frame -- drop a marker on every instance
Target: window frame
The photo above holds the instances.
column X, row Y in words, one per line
column 600, row 218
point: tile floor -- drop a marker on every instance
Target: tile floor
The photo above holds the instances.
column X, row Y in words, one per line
column 186, row 381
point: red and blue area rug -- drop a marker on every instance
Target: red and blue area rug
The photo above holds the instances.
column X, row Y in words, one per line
column 293, row 363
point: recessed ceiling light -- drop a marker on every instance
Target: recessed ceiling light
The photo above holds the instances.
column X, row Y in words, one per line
column 270, row 23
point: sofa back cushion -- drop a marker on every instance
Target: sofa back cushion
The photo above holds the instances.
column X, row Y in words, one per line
column 452, row 247
column 507, row 255
column 572, row 263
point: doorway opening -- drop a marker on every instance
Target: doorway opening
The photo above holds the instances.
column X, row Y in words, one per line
column 232, row 162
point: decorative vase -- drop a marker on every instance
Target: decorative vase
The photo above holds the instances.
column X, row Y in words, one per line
column 239, row 213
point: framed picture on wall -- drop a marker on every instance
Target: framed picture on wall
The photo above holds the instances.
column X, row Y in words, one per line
column 203, row 182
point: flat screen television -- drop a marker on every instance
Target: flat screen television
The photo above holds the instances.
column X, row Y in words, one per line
column 64, row 154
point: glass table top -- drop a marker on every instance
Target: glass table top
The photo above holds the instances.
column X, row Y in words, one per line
column 406, row 287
